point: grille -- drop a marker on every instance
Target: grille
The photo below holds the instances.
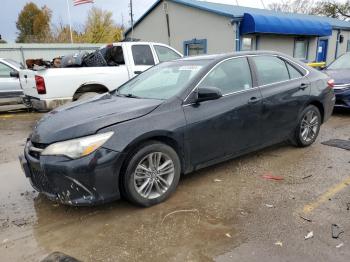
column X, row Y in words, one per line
column 41, row 181
column 35, row 149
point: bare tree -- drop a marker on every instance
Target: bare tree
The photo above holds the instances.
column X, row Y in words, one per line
column 333, row 9
column 293, row 6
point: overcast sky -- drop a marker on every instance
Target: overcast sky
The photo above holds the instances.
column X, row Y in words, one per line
column 11, row 8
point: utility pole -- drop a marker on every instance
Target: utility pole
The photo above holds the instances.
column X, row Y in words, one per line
column 131, row 20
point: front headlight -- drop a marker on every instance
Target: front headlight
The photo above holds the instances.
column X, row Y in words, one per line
column 79, row 147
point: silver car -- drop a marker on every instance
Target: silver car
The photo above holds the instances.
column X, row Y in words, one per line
column 10, row 86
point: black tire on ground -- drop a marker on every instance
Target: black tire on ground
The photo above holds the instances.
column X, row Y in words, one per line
column 129, row 185
column 87, row 95
column 310, row 119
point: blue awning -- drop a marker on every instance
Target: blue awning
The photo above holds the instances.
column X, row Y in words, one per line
column 283, row 25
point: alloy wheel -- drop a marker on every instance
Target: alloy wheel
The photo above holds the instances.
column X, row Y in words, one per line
column 154, row 175
column 309, row 126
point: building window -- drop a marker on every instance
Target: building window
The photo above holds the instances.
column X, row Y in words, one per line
column 195, row 47
column 301, row 48
column 348, row 47
column 247, row 44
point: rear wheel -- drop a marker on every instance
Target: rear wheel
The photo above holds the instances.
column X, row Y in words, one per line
column 152, row 174
column 308, row 127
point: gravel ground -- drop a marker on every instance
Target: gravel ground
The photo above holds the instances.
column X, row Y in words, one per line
column 228, row 212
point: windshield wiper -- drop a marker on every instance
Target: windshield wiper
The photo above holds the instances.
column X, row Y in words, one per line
column 129, row 95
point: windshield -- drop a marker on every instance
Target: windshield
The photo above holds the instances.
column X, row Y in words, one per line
column 14, row 63
column 163, row 81
column 342, row 62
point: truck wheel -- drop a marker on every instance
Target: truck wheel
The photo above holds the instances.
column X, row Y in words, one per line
column 308, row 127
column 152, row 174
column 87, row 95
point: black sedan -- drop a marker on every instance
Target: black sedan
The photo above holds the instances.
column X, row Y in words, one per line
column 173, row 119
column 339, row 70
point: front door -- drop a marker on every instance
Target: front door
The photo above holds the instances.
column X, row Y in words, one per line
column 285, row 92
column 230, row 124
column 10, row 87
column 322, row 50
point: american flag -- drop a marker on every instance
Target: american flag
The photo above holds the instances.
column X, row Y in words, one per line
column 81, row 2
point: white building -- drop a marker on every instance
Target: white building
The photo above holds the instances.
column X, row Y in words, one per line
column 198, row 27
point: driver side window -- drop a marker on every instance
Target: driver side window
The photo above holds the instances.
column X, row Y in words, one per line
column 230, row 76
column 5, row 70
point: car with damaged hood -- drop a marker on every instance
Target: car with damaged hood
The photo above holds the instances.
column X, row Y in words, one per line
column 171, row 120
column 339, row 70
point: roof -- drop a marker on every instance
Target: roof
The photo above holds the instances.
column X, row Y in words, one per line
column 234, row 11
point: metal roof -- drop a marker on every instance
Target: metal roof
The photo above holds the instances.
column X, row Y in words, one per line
column 234, row 11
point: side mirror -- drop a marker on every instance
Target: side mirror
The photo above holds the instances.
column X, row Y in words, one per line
column 208, row 93
column 14, row 74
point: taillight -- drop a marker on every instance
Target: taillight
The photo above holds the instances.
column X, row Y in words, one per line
column 40, row 85
column 330, row 83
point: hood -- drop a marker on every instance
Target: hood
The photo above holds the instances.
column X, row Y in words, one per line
column 84, row 118
column 340, row 76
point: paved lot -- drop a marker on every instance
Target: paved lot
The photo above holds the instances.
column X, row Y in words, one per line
column 223, row 213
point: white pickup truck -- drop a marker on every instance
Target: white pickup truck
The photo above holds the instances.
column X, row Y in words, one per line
column 48, row 88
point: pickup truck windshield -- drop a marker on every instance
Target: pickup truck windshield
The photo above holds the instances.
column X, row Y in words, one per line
column 162, row 81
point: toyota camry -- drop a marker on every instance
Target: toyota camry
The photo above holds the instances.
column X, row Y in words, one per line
column 171, row 120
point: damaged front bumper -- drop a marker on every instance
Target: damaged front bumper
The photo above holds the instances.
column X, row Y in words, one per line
column 89, row 180
column 45, row 104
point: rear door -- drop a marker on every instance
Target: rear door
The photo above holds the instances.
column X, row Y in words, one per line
column 230, row 124
column 142, row 58
column 9, row 86
column 285, row 91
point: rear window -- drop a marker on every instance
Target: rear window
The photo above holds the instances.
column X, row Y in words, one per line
column 165, row 54
column 270, row 69
column 142, row 55
column 293, row 72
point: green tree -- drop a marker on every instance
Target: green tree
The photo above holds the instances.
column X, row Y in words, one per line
column 100, row 27
column 33, row 24
column 61, row 34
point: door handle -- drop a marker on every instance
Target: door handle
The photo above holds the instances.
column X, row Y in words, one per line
column 303, row 86
column 137, row 72
column 253, row 100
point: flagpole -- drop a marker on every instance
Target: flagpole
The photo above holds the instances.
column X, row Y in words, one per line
column 70, row 22
column 132, row 19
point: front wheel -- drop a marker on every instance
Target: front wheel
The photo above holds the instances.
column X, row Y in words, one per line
column 308, row 127
column 152, row 174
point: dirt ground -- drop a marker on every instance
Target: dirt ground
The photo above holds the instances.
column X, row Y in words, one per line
column 228, row 212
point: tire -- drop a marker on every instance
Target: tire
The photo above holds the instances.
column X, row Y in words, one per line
column 147, row 186
column 308, row 127
column 87, row 95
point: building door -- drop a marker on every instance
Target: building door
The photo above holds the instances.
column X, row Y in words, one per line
column 322, row 50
